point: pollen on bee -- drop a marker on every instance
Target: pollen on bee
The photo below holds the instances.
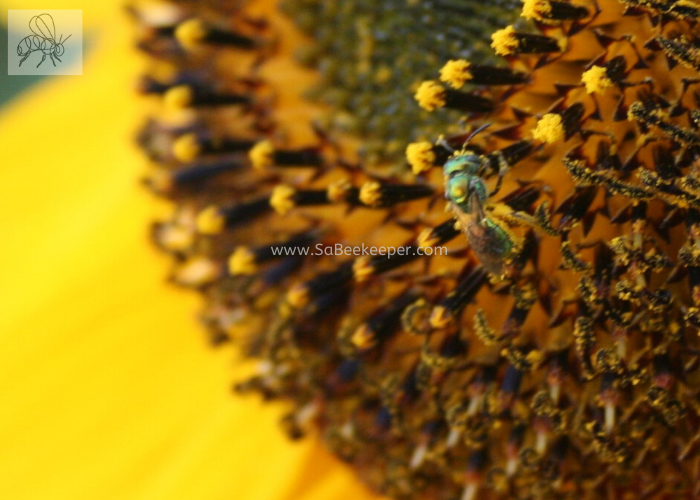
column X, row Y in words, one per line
column 549, row 129
column 596, row 80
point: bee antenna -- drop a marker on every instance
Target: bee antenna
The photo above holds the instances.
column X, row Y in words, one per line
column 477, row 131
column 64, row 41
column 442, row 142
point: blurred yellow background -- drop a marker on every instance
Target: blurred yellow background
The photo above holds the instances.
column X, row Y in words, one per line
column 107, row 387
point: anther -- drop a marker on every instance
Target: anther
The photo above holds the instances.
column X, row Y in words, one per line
column 264, row 155
column 189, row 146
column 381, row 195
column 431, row 96
column 185, row 96
column 458, row 72
column 508, row 42
column 194, row 32
column 422, row 156
column 552, row 11
column 284, row 198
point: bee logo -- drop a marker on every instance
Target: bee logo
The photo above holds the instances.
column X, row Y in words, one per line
column 43, row 40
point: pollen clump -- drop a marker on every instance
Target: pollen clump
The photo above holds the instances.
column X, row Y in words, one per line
column 191, row 32
column 430, row 95
column 262, row 154
column 210, row 221
column 504, row 41
column 282, row 199
column 420, row 156
column 456, row 73
column 596, row 80
column 536, row 9
column 549, row 129
column 242, row 261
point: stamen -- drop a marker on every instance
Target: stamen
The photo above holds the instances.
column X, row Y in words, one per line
column 194, row 32
column 264, row 155
column 451, row 306
column 422, row 156
column 508, row 42
column 460, row 71
column 185, row 96
column 431, row 96
column 284, row 198
column 189, row 146
column 378, row 195
column 552, row 11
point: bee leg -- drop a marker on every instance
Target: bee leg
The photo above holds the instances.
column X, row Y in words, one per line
column 503, row 167
column 57, row 58
column 51, row 57
column 43, row 58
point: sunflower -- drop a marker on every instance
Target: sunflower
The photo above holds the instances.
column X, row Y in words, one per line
column 552, row 352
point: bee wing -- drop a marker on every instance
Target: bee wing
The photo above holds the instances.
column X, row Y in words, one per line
column 485, row 239
column 43, row 26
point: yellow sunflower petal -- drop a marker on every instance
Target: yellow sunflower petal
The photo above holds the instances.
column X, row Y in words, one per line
column 108, row 389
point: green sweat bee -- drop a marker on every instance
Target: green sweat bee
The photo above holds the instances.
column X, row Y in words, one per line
column 468, row 193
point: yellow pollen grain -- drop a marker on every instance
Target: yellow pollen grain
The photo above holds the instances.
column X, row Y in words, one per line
column 298, row 296
column 178, row 97
column 262, row 155
column 282, row 199
column 186, row 147
column 420, row 156
column 504, row 41
column 440, row 317
column 371, row 193
column 210, row 221
column 549, row 129
column 362, row 268
column 363, row 338
column 430, row 95
column 427, row 239
column 536, row 10
column 338, row 191
column 456, row 73
column 242, row 261
column 191, row 32
column 596, row 80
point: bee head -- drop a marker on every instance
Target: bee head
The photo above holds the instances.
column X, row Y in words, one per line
column 462, row 162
